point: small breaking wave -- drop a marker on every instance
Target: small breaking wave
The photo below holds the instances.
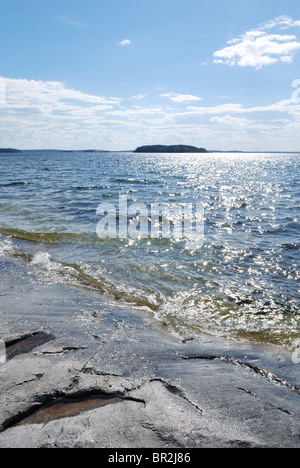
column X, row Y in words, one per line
column 6, row 246
column 43, row 259
column 77, row 275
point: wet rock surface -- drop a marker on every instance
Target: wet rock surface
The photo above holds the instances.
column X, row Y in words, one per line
column 83, row 371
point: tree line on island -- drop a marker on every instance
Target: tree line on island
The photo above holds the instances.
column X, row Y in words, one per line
column 140, row 149
column 170, row 149
column 9, row 150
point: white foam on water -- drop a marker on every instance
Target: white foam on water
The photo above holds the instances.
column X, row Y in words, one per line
column 6, row 246
column 50, row 270
column 43, row 259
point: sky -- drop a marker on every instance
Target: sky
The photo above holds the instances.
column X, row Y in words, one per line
column 93, row 74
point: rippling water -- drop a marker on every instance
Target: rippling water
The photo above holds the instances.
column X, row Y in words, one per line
column 242, row 283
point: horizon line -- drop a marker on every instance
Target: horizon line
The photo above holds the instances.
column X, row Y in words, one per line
column 132, row 150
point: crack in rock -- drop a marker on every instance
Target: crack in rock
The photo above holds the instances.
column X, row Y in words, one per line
column 37, row 377
column 177, row 391
column 61, row 351
column 249, row 392
column 257, row 370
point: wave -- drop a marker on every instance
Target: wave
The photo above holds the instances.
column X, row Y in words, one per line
column 206, row 307
column 12, row 184
column 105, row 286
column 60, row 237
column 71, row 273
column 135, row 181
column 291, row 246
column 75, row 274
column 38, row 237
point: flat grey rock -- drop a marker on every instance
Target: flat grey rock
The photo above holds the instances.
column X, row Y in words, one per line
column 84, row 371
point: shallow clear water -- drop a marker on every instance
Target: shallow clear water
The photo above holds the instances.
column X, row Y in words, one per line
column 242, row 283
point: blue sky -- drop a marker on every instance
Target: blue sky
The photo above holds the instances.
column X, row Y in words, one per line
column 223, row 74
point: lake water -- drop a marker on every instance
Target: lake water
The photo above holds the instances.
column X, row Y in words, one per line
column 242, row 282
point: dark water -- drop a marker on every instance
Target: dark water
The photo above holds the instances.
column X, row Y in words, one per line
column 242, row 283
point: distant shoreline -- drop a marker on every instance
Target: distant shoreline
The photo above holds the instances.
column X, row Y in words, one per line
column 9, row 150
column 95, row 151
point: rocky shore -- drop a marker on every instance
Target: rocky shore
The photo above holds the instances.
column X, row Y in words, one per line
column 84, row 371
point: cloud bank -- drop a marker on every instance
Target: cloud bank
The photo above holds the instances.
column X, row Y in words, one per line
column 47, row 114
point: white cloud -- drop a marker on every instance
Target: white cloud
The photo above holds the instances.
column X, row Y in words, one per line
column 72, row 21
column 125, row 43
column 283, row 22
column 180, row 98
column 232, row 121
column 138, row 97
column 48, row 114
column 258, row 47
column 49, row 95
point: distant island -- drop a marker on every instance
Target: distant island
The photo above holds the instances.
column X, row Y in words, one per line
column 169, row 149
column 9, row 150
